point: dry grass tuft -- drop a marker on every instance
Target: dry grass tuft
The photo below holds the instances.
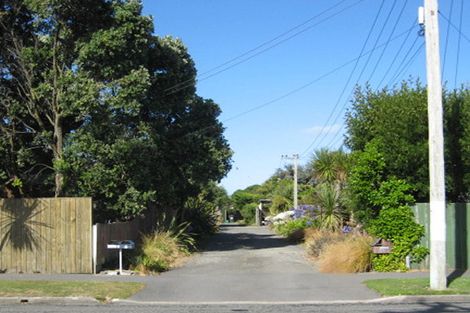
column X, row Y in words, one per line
column 316, row 240
column 160, row 251
column 351, row 255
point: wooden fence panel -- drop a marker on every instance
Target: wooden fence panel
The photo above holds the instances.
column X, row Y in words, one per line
column 46, row 235
column 457, row 234
column 115, row 231
column 131, row 230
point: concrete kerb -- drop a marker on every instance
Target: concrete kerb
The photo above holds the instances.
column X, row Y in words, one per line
column 93, row 301
column 383, row 300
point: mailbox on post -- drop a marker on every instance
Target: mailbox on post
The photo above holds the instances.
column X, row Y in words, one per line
column 123, row 244
column 382, row 246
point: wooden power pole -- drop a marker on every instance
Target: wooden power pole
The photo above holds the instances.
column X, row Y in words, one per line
column 438, row 275
column 295, row 159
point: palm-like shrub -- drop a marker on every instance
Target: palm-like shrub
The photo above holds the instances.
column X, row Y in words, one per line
column 328, row 198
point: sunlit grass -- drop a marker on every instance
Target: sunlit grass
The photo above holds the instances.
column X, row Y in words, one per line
column 99, row 290
column 417, row 286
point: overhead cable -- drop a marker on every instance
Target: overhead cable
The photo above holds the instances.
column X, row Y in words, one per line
column 244, row 57
column 348, row 80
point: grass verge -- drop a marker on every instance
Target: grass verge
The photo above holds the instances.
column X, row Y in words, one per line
column 102, row 291
column 417, row 287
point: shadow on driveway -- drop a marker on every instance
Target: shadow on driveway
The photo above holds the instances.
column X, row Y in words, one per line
column 228, row 240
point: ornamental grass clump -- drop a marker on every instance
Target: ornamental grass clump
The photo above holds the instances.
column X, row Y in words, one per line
column 316, row 240
column 164, row 248
column 159, row 252
column 350, row 255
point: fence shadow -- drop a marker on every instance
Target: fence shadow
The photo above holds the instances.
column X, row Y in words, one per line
column 20, row 229
column 461, row 242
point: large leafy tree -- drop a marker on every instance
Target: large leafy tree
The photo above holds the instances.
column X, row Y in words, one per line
column 396, row 120
column 44, row 96
column 90, row 109
column 457, row 130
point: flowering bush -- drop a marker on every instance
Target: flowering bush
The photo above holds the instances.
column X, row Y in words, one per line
column 306, row 210
column 292, row 224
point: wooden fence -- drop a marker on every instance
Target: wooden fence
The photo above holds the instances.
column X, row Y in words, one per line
column 131, row 230
column 46, row 235
column 458, row 234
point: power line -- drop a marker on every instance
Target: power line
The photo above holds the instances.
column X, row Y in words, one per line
column 358, row 79
column 409, row 62
column 405, row 40
column 458, row 45
column 188, row 83
column 346, row 102
column 404, row 59
column 349, row 78
column 458, row 29
column 260, row 45
column 391, row 34
column 447, row 41
column 405, row 67
column 293, row 91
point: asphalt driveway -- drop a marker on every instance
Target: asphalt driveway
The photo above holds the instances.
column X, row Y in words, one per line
column 253, row 264
column 242, row 264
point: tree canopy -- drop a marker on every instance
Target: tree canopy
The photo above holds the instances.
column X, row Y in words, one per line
column 89, row 109
column 396, row 121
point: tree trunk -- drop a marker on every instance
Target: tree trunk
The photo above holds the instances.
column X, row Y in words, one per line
column 58, row 154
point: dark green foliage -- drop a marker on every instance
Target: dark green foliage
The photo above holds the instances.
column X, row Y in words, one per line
column 86, row 109
column 383, row 205
column 457, row 142
column 367, row 174
column 396, row 223
column 396, row 119
column 294, row 230
column 245, row 202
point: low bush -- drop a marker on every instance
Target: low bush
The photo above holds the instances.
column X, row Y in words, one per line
column 397, row 224
column 203, row 216
column 350, row 255
column 158, row 252
column 294, row 230
column 316, row 240
column 162, row 249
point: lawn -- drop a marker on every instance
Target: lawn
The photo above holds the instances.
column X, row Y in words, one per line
column 417, row 286
column 101, row 291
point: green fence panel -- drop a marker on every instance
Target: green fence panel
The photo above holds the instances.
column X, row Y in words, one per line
column 458, row 235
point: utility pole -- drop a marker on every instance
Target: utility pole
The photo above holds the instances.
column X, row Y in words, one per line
column 438, row 275
column 295, row 159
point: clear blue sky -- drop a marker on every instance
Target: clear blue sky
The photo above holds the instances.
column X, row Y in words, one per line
column 265, row 111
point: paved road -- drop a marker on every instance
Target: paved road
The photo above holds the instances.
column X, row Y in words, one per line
column 253, row 264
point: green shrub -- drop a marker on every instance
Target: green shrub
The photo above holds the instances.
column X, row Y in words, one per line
column 248, row 213
column 203, row 216
column 398, row 226
column 351, row 255
column 294, row 230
